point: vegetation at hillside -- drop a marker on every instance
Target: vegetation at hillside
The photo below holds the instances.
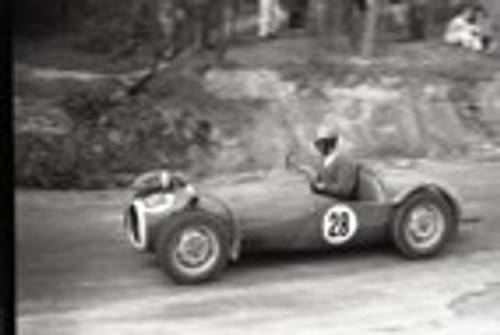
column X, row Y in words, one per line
column 84, row 119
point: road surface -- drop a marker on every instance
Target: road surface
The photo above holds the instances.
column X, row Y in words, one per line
column 76, row 274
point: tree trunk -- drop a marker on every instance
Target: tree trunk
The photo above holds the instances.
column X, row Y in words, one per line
column 338, row 20
column 418, row 19
column 319, row 10
column 370, row 33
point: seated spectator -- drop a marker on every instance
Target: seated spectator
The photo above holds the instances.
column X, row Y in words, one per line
column 469, row 30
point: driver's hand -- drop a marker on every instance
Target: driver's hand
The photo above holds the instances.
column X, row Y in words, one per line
column 318, row 186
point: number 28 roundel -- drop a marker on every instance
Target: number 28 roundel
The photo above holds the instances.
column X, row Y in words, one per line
column 339, row 224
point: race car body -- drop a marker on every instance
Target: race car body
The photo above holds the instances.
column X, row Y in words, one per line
column 194, row 231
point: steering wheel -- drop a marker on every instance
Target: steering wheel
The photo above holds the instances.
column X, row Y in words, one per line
column 159, row 181
column 307, row 171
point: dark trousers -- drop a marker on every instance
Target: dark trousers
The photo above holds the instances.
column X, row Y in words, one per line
column 417, row 21
column 298, row 13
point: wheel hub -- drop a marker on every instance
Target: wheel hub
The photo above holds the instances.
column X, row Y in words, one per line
column 194, row 248
column 426, row 226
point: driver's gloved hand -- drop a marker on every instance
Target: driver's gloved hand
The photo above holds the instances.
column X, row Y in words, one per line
column 317, row 187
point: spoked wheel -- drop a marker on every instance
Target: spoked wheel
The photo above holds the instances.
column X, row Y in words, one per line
column 193, row 248
column 196, row 250
column 424, row 224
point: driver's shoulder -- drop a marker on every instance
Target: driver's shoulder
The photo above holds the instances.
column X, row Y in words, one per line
column 346, row 160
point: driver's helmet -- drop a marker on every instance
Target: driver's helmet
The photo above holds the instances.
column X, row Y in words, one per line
column 326, row 139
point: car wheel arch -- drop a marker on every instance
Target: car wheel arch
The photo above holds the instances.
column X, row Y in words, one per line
column 450, row 199
column 221, row 211
column 413, row 199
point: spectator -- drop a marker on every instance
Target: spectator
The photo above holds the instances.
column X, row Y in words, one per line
column 271, row 16
column 298, row 10
column 417, row 19
column 398, row 10
column 469, row 30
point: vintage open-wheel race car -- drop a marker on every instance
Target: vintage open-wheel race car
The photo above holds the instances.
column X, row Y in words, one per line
column 194, row 230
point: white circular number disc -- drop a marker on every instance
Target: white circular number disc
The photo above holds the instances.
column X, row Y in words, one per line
column 339, row 224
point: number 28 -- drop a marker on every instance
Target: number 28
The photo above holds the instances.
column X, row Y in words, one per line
column 339, row 224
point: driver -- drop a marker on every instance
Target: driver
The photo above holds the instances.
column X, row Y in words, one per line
column 338, row 175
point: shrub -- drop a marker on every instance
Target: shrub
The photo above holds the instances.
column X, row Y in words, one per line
column 86, row 105
column 170, row 126
column 45, row 161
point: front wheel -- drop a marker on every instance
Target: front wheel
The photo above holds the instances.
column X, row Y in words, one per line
column 424, row 223
column 193, row 248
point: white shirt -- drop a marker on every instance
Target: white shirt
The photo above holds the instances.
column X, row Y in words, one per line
column 460, row 29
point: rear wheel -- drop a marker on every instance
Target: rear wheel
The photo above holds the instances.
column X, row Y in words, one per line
column 193, row 248
column 424, row 223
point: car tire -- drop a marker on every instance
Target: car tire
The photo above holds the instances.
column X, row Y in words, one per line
column 193, row 247
column 423, row 225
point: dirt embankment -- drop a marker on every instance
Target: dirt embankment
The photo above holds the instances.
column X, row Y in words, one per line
column 69, row 134
column 378, row 117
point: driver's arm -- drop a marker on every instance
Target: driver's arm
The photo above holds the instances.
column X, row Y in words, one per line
column 335, row 180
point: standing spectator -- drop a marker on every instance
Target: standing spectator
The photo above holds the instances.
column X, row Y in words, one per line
column 271, row 15
column 202, row 24
column 298, row 10
column 171, row 16
column 398, row 10
column 417, row 19
column 200, row 11
column 397, row 18
column 353, row 17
